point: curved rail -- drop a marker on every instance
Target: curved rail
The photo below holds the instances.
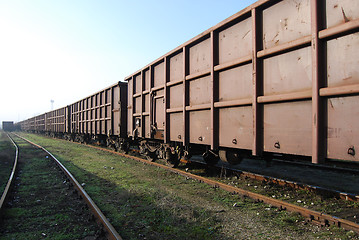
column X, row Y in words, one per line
column 111, row 231
column 9, row 183
column 311, row 215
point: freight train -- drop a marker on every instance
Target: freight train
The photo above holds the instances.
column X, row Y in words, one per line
column 8, row 126
column 279, row 78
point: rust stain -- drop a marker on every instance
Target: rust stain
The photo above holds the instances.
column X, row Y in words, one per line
column 264, row 43
column 344, row 16
column 348, row 78
column 246, row 34
column 284, row 23
column 331, row 104
column 275, row 36
column 334, row 132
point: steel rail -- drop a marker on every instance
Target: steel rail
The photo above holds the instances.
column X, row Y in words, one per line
column 311, row 215
column 12, row 175
column 296, row 185
column 101, row 218
column 282, row 182
column 345, row 169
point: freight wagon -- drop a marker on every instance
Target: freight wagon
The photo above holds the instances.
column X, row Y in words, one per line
column 30, row 124
column 101, row 117
column 57, row 122
column 8, row 125
column 278, row 77
column 39, row 123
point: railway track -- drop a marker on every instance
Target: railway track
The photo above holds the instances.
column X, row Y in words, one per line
column 5, row 194
column 106, row 229
column 312, row 216
column 283, row 182
column 332, row 165
column 316, row 217
column 293, row 184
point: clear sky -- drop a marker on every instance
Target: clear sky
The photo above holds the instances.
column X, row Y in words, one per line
column 66, row 50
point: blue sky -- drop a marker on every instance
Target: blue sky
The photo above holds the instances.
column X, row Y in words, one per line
column 67, row 50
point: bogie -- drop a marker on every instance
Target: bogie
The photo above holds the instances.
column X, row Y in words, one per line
column 231, row 156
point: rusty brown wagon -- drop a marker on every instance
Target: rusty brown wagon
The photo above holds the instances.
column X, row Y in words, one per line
column 278, row 77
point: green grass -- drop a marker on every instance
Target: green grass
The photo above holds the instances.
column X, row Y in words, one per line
column 7, row 156
column 40, row 208
column 143, row 201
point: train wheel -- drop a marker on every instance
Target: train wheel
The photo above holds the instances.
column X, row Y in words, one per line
column 172, row 160
column 231, row 156
column 125, row 146
column 210, row 158
column 151, row 156
column 172, row 157
column 172, row 163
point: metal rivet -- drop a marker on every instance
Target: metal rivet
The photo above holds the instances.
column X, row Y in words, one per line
column 200, row 138
column 277, row 145
column 234, row 141
column 351, row 151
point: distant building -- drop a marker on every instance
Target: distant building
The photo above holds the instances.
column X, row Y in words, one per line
column 8, row 126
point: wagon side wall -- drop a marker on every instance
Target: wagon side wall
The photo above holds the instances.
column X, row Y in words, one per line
column 278, row 76
column 57, row 120
column 100, row 113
